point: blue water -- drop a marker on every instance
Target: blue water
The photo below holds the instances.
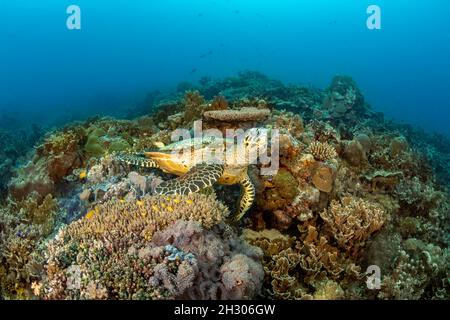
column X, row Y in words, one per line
column 128, row 47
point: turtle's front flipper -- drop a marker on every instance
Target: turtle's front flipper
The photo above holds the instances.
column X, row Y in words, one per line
column 248, row 195
column 197, row 178
column 137, row 159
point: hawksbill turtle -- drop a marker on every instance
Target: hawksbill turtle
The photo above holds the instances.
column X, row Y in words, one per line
column 196, row 172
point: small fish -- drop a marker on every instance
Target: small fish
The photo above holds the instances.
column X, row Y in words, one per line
column 194, row 70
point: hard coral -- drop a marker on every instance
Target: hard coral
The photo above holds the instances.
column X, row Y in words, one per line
column 31, row 178
column 322, row 151
column 229, row 268
column 352, row 220
column 143, row 218
column 194, row 104
column 101, row 245
column 183, row 261
column 57, row 157
column 323, row 177
column 24, row 227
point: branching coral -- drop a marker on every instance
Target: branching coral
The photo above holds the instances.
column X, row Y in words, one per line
column 352, row 221
column 24, row 226
column 322, row 151
column 194, row 104
column 183, row 261
column 121, row 221
column 291, row 265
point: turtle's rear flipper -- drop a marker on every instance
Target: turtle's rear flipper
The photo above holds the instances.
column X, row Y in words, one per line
column 197, row 178
column 137, row 159
column 248, row 195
